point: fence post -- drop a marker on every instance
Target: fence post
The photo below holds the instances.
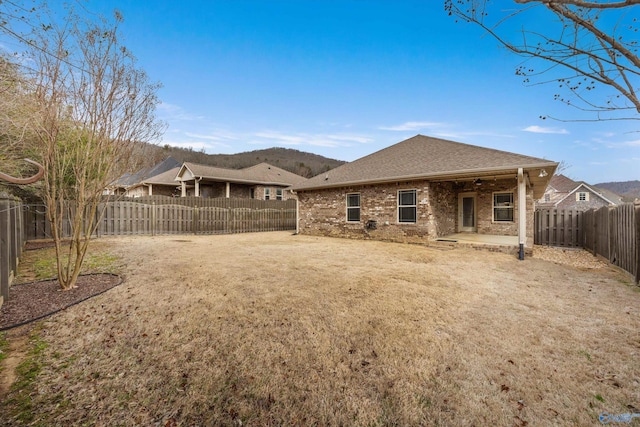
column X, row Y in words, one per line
column 153, row 218
column 5, row 242
column 195, row 217
column 636, row 212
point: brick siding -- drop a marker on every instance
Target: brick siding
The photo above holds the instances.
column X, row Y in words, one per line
column 323, row 212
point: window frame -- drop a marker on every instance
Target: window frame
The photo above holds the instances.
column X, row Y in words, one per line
column 402, row 206
column 580, row 197
column 511, row 207
column 279, row 194
column 267, row 193
column 348, row 207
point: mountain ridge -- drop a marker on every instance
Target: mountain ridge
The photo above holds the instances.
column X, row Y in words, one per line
column 299, row 162
column 629, row 190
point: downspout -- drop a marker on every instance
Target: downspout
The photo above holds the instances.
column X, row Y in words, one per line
column 522, row 213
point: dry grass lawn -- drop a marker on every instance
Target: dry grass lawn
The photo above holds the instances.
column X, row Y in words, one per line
column 275, row 329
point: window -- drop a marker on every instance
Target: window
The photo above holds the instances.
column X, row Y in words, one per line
column 547, row 197
column 278, row 193
column 353, row 207
column 407, row 207
column 582, row 197
column 503, row 207
column 267, row 193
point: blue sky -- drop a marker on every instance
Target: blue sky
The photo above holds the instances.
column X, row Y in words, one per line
column 346, row 78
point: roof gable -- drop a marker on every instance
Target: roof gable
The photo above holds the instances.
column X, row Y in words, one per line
column 584, row 187
column 423, row 157
column 262, row 173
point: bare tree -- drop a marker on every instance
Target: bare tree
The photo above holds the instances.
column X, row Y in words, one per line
column 588, row 48
column 15, row 104
column 91, row 107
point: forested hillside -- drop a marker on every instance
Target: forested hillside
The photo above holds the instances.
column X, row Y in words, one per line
column 298, row 162
column 629, row 190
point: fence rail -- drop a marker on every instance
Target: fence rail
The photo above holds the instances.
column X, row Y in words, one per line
column 11, row 241
column 167, row 215
column 610, row 232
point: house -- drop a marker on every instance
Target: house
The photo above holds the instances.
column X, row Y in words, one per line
column 262, row 181
column 163, row 184
column 424, row 189
column 565, row 193
column 133, row 184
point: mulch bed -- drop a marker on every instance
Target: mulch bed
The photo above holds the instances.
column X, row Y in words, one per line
column 32, row 301
column 32, row 245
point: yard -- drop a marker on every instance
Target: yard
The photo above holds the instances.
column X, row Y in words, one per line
column 275, row 329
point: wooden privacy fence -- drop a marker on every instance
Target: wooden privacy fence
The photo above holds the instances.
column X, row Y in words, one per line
column 556, row 227
column 11, row 241
column 614, row 233
column 166, row 215
column 611, row 232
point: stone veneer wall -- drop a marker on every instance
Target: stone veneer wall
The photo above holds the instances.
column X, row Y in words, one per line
column 323, row 212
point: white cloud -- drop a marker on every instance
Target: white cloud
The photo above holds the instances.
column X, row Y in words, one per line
column 214, row 136
column 540, row 129
column 635, row 143
column 410, row 126
column 318, row 140
column 174, row 112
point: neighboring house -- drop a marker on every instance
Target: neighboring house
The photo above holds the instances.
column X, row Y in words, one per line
column 262, row 181
column 163, row 184
column 132, row 184
column 565, row 193
column 426, row 188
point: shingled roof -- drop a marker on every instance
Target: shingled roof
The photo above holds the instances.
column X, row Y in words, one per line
column 165, row 178
column 135, row 179
column 422, row 157
column 262, row 173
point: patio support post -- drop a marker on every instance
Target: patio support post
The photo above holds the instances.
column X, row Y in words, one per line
column 227, row 190
column 522, row 213
column 183, row 187
column 298, row 216
column 151, row 189
column 197, row 187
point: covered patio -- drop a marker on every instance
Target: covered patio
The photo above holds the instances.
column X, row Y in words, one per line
column 507, row 244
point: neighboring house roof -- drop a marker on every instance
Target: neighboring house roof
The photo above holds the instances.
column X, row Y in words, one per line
column 429, row 158
column 262, row 173
column 615, row 198
column 562, row 184
column 561, row 187
column 165, row 178
column 129, row 180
